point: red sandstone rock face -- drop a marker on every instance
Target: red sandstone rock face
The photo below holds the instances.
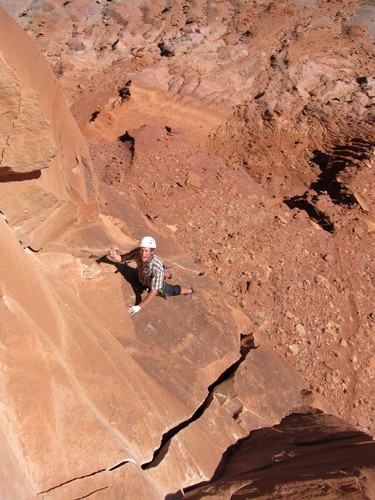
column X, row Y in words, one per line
column 85, row 387
column 47, row 179
column 179, row 104
column 306, row 455
column 283, row 269
column 296, row 114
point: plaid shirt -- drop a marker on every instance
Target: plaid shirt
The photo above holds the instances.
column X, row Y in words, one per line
column 150, row 275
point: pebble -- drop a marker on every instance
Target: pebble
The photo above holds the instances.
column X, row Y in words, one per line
column 360, row 201
column 343, row 343
column 294, row 349
column 321, row 279
column 332, row 328
column 300, row 329
column 282, row 220
column 328, row 258
column 370, row 226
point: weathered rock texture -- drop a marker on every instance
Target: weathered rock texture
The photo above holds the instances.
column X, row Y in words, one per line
column 23, row 150
column 278, row 93
column 241, row 131
column 85, row 388
column 305, row 456
column 47, row 179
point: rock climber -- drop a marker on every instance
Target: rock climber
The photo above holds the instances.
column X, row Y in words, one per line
column 151, row 273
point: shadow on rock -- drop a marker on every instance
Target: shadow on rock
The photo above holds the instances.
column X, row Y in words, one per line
column 130, row 274
column 309, row 452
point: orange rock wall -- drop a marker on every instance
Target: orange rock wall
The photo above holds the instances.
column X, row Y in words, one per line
column 41, row 134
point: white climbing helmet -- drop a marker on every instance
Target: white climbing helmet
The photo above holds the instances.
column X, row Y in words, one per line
column 147, row 242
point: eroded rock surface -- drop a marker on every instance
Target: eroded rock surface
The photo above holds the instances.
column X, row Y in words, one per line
column 22, row 150
column 241, row 136
column 88, row 391
column 308, row 455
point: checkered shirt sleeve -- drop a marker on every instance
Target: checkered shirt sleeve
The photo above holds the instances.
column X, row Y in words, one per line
column 157, row 273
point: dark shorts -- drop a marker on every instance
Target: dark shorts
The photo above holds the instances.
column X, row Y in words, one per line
column 169, row 291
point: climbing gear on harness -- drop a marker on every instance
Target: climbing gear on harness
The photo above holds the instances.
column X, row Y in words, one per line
column 161, row 293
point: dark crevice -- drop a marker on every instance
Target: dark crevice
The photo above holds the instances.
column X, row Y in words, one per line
column 342, row 158
column 247, row 344
column 302, row 203
column 4, row 217
column 114, row 44
column 362, row 80
column 92, row 493
column 320, row 158
column 94, row 115
column 258, row 96
column 71, row 481
column 237, row 414
column 288, row 433
column 264, row 467
column 231, row 450
column 124, row 92
column 126, row 138
column 164, row 50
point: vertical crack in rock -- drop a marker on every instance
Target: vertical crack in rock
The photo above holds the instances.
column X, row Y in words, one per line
column 91, row 493
column 71, row 481
column 341, row 159
column 247, row 344
column 126, row 138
